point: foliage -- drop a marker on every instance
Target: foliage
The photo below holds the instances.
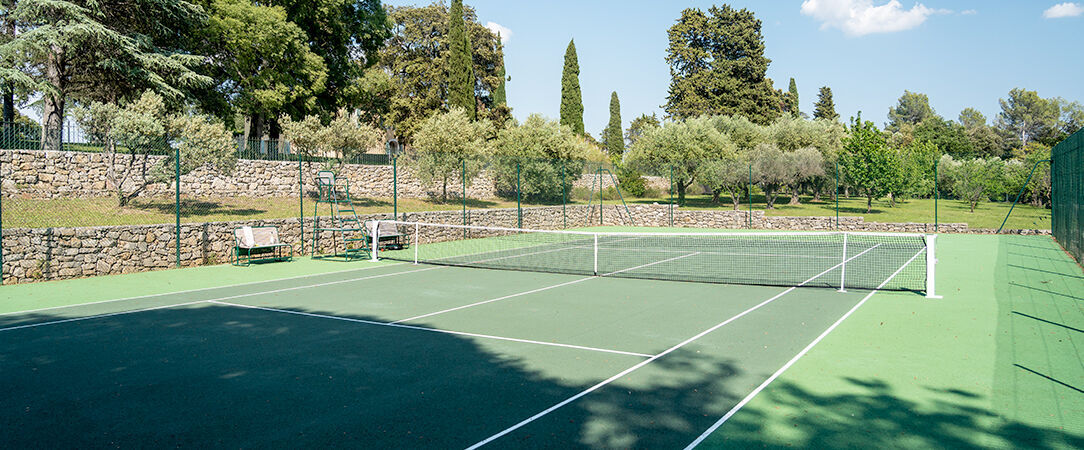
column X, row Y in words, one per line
column 717, row 66
column 983, row 138
column 682, row 146
column 916, row 174
column 415, row 57
column 771, row 170
column 263, row 61
column 949, row 137
column 500, row 96
column 460, row 68
column 791, row 97
column 1025, row 116
column 448, row 147
column 912, row 108
column 341, row 139
column 972, row 180
column 805, row 165
column 729, row 174
column 94, row 51
column 744, row 134
column 825, row 108
column 866, row 161
column 132, row 132
column 631, row 181
column 612, row 137
column 347, row 35
column 550, row 157
column 637, row 126
column 571, row 98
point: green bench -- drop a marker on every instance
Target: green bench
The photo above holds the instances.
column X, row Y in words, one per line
column 259, row 244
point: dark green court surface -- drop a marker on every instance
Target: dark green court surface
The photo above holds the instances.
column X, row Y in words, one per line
column 383, row 355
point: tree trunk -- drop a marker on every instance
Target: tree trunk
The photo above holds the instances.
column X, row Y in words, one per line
column 257, row 130
column 9, row 106
column 769, row 198
column 53, row 103
column 794, row 200
column 869, row 203
column 715, row 197
column 891, row 200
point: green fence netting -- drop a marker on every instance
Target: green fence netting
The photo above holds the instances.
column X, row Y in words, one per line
column 1067, row 183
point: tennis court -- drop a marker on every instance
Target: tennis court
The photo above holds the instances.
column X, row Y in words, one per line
column 394, row 354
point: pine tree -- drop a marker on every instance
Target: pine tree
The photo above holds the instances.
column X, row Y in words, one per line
column 825, row 108
column 500, row 97
column 792, row 98
column 460, row 66
column 612, row 136
column 571, row 99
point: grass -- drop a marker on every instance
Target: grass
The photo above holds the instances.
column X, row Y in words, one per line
column 36, row 213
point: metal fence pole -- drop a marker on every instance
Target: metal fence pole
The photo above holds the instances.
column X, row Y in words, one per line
column 519, row 207
column 301, row 201
column 749, row 196
column 394, row 188
column 600, row 199
column 671, row 195
column 177, row 171
column 463, row 178
column 1019, row 194
column 564, row 196
column 1, row 227
column 936, row 194
column 837, row 195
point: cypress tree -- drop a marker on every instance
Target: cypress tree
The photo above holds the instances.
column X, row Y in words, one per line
column 571, row 99
column 460, row 65
column 612, row 137
column 499, row 95
column 825, row 108
column 792, row 97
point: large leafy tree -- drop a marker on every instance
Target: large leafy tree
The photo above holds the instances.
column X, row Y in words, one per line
column 912, row 108
column 571, row 97
column 460, row 67
column 867, row 162
column 104, row 51
column 1025, row 116
column 347, row 35
column 549, row 157
column 449, row 146
column 415, row 57
column 984, row 139
column 500, row 97
column 342, row 137
column 974, row 179
column 263, row 63
column 825, row 108
column 681, row 146
column 949, row 136
column 717, row 66
column 638, row 125
column 7, row 33
column 612, row 137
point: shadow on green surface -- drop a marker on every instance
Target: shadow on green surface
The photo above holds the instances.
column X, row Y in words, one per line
column 234, row 377
column 194, row 208
column 874, row 416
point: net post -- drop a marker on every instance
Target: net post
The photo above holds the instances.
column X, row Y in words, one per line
column 375, row 246
column 931, row 266
column 596, row 254
column 416, row 241
column 843, row 267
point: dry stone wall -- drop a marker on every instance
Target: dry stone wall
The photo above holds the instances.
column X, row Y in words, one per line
column 37, row 254
column 53, row 174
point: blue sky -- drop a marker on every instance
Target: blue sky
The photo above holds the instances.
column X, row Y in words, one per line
column 963, row 53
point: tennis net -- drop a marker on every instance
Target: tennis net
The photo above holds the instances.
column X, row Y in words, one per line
column 841, row 260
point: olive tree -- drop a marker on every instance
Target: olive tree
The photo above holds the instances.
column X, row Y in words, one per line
column 448, row 146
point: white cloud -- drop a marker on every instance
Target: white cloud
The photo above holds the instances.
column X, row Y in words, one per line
column 969, row 12
column 1067, row 9
column 506, row 34
column 861, row 17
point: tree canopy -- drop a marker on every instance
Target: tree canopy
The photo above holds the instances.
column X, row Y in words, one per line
column 612, row 137
column 571, row 98
column 460, row 67
column 825, row 108
column 717, row 66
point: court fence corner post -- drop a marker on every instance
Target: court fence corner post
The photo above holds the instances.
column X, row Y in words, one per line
column 749, row 197
column 463, row 177
column 836, row 195
column 564, row 197
column 177, row 200
column 936, row 194
column 671, row 195
column 301, row 202
column 395, row 187
column 519, row 206
column 931, row 267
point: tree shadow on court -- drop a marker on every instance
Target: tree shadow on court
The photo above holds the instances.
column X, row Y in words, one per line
column 223, row 376
column 194, row 208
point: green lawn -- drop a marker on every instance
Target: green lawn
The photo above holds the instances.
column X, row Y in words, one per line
column 104, row 211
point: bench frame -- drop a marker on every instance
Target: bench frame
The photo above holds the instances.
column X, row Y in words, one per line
column 244, row 256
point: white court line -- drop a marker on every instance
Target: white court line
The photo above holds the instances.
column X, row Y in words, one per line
column 275, row 291
column 786, row 366
column 434, row 330
column 533, row 291
column 196, row 290
column 99, row 316
column 652, row 359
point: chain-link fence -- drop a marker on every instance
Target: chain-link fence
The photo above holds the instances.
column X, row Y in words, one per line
column 1067, row 179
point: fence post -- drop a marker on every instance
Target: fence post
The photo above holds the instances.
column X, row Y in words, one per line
column 395, row 187
column 177, row 171
column 301, row 202
column 519, row 207
column 564, row 196
column 749, row 196
column 671, row 195
column 2, row 224
column 836, row 195
column 600, row 199
column 463, row 178
column 936, row 194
